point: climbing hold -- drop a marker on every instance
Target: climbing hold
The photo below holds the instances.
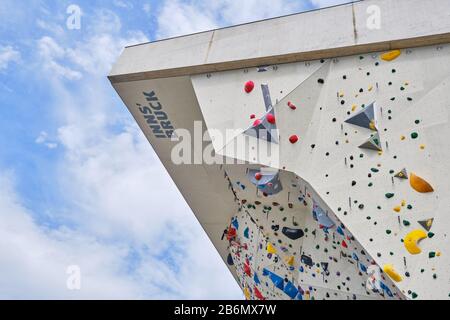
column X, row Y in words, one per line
column 411, row 239
column 389, row 195
column 258, row 176
column 426, row 224
column 292, row 234
column 391, row 55
column 419, row 184
column 403, row 174
column 252, row 116
column 364, row 118
column 257, row 122
column 270, row 118
column 344, row 244
column 321, row 81
column 373, row 143
column 290, row 261
column 291, row 105
column 230, row 260
column 247, row 294
column 270, row 248
column 414, row 135
column 249, row 86
column 397, row 208
column 258, row 294
column 390, row 271
column 246, row 231
column 293, row 139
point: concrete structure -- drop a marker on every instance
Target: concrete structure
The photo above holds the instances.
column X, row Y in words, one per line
column 352, row 202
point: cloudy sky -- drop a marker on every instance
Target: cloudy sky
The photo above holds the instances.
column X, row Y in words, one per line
column 77, row 176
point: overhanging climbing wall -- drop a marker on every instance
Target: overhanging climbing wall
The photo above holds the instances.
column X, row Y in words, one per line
column 357, row 204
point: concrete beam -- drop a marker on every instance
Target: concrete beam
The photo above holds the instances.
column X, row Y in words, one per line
column 331, row 32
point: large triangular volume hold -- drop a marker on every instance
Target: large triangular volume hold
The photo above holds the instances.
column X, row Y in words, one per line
column 373, row 143
column 364, row 118
column 426, row 224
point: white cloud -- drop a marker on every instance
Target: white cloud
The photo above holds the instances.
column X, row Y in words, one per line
column 183, row 17
column 7, row 55
column 43, row 139
column 125, row 223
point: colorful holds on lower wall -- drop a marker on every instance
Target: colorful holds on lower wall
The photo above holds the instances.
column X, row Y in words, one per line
column 411, row 241
column 419, row 184
column 390, row 271
column 270, row 248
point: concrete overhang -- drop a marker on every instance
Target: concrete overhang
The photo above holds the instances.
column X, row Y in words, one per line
column 331, row 32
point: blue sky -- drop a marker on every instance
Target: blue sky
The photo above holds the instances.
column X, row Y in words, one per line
column 77, row 176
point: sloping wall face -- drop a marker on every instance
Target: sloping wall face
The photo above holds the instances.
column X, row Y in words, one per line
column 356, row 203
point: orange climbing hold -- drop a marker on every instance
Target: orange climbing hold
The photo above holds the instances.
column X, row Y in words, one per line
column 419, row 184
column 391, row 55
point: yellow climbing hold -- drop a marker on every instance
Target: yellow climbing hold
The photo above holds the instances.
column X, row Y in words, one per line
column 341, row 94
column 271, row 248
column 411, row 240
column 438, row 254
column 372, row 125
column 380, row 153
column 370, row 88
column 391, row 55
column 389, row 270
column 247, row 294
column 397, row 208
column 290, row 261
column 354, row 107
column 419, row 184
column 422, row 146
column 403, row 203
column 402, row 137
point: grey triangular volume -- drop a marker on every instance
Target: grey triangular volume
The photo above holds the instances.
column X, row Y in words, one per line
column 364, row 118
column 426, row 224
column 265, row 130
column 373, row 143
column 403, row 174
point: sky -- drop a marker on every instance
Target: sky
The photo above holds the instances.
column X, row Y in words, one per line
column 77, row 176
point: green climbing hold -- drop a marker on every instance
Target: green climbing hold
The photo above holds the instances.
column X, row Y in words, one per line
column 374, row 170
column 409, row 207
column 414, row 295
column 406, row 223
column 417, row 121
column 414, row 135
column 388, row 231
column 431, row 254
column 389, row 195
column 430, row 235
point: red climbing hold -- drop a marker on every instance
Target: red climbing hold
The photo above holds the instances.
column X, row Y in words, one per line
column 252, row 116
column 231, row 233
column 293, row 138
column 258, row 176
column 344, row 244
column 247, row 270
column 291, row 105
column 270, row 118
column 256, row 123
column 249, row 86
column 258, row 294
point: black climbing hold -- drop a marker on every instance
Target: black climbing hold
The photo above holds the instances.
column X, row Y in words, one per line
column 321, row 81
column 292, row 234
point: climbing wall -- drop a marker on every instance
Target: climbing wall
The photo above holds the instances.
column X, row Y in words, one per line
column 356, row 204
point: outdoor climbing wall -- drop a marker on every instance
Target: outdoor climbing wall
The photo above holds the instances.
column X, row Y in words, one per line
column 363, row 155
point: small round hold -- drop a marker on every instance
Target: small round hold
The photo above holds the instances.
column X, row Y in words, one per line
column 256, row 123
column 252, row 116
column 293, row 139
column 249, row 86
column 270, row 118
column 258, row 176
